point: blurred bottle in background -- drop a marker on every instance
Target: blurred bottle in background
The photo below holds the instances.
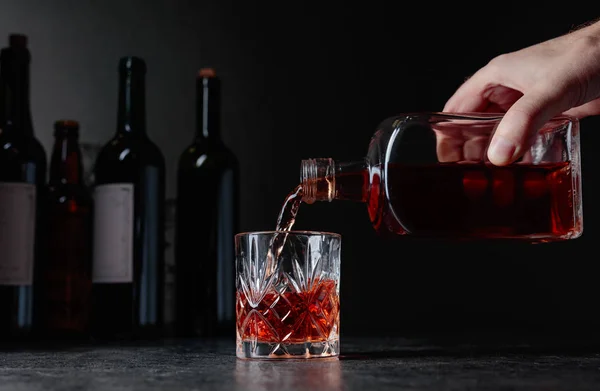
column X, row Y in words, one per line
column 22, row 181
column 206, row 222
column 89, row 154
column 64, row 284
column 129, row 236
column 170, row 206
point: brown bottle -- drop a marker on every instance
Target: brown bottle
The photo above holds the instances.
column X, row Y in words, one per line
column 65, row 274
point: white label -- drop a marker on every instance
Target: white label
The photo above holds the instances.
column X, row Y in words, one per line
column 17, row 233
column 113, row 233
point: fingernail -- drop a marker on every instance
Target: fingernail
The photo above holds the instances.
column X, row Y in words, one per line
column 501, row 150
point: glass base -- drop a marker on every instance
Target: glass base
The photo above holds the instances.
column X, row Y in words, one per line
column 267, row 350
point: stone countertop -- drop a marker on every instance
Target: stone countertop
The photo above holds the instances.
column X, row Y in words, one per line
column 365, row 364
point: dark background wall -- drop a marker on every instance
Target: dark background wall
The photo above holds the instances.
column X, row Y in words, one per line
column 314, row 80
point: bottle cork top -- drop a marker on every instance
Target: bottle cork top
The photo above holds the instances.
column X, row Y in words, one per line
column 66, row 123
column 66, row 128
column 17, row 40
column 207, row 72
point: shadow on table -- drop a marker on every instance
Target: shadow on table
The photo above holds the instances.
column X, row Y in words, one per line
column 64, row 345
column 474, row 346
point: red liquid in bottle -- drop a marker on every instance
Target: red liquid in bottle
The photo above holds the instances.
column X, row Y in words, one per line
column 471, row 201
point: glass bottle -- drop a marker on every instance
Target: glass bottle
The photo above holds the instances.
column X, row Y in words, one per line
column 206, row 222
column 65, row 276
column 427, row 174
column 129, row 220
column 22, row 181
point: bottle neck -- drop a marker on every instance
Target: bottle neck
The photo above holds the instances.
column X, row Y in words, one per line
column 208, row 109
column 15, row 111
column 131, row 119
column 328, row 180
column 66, row 165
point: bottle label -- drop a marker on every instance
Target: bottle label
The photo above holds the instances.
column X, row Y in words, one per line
column 113, row 233
column 17, row 233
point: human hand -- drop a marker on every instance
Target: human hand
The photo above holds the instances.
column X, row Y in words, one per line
column 532, row 85
column 464, row 138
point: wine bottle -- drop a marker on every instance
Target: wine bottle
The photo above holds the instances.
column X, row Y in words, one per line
column 206, row 222
column 64, row 283
column 129, row 243
column 22, row 181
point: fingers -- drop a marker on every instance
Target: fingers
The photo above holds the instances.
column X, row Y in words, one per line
column 449, row 146
column 585, row 110
column 521, row 123
column 460, row 143
column 474, row 148
column 469, row 96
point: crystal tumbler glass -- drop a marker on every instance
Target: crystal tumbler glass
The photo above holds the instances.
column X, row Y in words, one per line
column 287, row 301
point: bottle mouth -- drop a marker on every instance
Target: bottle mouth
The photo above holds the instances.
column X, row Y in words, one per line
column 66, row 123
column 18, row 41
column 207, row 73
column 66, row 128
column 317, row 177
column 308, row 175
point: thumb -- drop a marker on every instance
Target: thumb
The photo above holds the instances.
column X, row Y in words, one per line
column 520, row 124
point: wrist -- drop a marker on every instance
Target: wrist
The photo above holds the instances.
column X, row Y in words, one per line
column 591, row 29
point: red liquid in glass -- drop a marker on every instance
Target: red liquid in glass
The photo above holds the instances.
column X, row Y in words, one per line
column 291, row 317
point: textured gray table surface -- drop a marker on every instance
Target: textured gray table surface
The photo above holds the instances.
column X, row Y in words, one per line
column 365, row 364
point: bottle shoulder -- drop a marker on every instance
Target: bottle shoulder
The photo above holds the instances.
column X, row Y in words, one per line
column 126, row 150
column 204, row 155
column 28, row 149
